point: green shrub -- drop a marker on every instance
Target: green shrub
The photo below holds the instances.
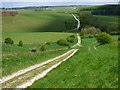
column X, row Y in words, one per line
column 43, row 48
column 89, row 32
column 118, row 38
column 20, row 43
column 33, row 50
column 49, row 43
column 9, row 41
column 91, row 36
column 70, row 39
column 103, row 38
column 72, row 36
column 63, row 42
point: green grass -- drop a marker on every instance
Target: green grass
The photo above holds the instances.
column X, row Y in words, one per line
column 28, row 21
column 34, row 40
column 87, row 69
column 20, row 61
column 108, row 19
column 35, row 37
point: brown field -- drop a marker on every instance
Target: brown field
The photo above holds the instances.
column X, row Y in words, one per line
column 10, row 13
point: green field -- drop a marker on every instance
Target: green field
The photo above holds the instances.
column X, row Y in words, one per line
column 35, row 37
column 27, row 21
column 108, row 19
column 17, row 61
column 21, row 57
column 87, row 69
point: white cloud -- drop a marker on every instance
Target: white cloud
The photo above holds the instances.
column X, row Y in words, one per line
column 60, row 0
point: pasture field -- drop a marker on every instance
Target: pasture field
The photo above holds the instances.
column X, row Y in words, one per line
column 108, row 19
column 21, row 57
column 69, row 9
column 35, row 37
column 15, row 62
column 27, row 21
column 87, row 69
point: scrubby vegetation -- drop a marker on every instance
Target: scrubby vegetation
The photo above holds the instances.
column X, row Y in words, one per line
column 104, row 38
column 9, row 41
column 63, row 42
column 43, row 48
column 71, row 38
column 89, row 32
column 20, row 43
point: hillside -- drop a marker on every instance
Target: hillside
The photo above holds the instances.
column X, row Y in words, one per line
column 37, row 21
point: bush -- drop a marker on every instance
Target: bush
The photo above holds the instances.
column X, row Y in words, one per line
column 63, row 42
column 89, row 32
column 70, row 39
column 33, row 50
column 91, row 36
column 48, row 43
column 43, row 48
column 103, row 38
column 118, row 38
column 20, row 43
column 9, row 41
column 72, row 36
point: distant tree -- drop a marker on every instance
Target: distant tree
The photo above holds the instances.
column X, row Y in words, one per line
column 20, row 43
column 89, row 20
column 113, row 29
column 9, row 41
column 103, row 38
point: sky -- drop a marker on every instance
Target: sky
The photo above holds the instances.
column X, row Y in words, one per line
column 24, row 3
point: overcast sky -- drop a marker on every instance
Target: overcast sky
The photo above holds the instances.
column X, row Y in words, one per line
column 24, row 3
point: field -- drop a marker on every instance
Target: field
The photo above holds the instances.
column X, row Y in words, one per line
column 87, row 69
column 21, row 57
column 20, row 61
column 93, row 66
column 35, row 21
column 39, row 37
column 108, row 19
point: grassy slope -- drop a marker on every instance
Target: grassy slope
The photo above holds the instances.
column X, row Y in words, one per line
column 35, row 37
column 36, row 21
column 20, row 61
column 108, row 19
column 87, row 69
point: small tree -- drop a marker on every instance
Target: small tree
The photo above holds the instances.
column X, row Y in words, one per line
column 70, row 39
column 9, row 41
column 89, row 32
column 63, row 42
column 20, row 43
column 103, row 38
column 43, row 48
column 33, row 50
